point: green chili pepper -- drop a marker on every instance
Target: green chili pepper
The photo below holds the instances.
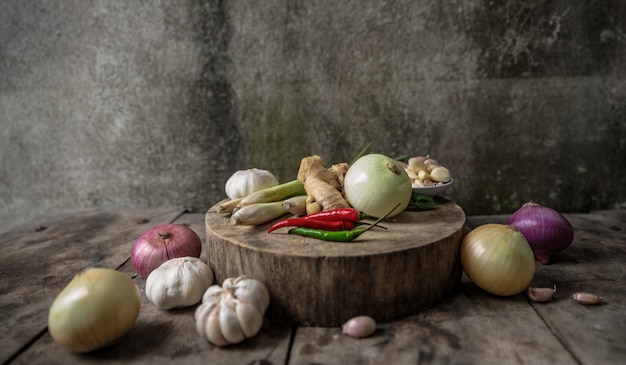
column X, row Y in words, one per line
column 336, row 236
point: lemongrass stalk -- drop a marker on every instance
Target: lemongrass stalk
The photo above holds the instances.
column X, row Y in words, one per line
column 228, row 206
column 273, row 194
column 295, row 205
column 259, row 213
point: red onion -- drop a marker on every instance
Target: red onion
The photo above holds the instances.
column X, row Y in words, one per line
column 546, row 230
column 161, row 243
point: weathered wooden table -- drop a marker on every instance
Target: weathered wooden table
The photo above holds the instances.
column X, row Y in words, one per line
column 470, row 327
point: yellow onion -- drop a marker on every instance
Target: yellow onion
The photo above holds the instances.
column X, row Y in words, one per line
column 375, row 183
column 498, row 259
column 96, row 308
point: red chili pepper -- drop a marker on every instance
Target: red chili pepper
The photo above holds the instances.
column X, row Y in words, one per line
column 345, row 214
column 337, row 236
column 336, row 225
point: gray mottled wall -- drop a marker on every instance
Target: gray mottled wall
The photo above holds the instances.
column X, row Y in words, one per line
column 156, row 103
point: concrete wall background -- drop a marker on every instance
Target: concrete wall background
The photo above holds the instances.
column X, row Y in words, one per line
column 157, row 103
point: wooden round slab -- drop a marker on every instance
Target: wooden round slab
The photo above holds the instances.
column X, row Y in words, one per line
column 387, row 274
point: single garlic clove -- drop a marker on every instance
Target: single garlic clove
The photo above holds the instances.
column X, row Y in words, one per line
column 416, row 164
column 431, row 164
column 586, row 298
column 423, row 175
column 412, row 175
column 359, row 326
column 428, row 182
column 441, row 174
column 541, row 294
column 417, row 183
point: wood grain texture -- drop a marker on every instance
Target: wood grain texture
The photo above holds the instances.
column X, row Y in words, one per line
column 387, row 274
column 468, row 327
column 471, row 327
column 41, row 257
column 167, row 336
column 594, row 263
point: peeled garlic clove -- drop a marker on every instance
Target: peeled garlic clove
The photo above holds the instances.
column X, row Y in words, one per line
column 541, row 294
column 440, row 174
column 423, row 175
column 431, row 164
column 428, row 182
column 417, row 184
column 412, row 175
column 359, row 326
column 586, row 298
column 416, row 164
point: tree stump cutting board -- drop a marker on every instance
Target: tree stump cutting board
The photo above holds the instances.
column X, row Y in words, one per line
column 386, row 274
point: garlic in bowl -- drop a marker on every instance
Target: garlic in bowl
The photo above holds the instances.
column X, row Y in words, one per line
column 428, row 177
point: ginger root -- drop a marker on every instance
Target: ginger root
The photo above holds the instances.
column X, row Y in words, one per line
column 324, row 187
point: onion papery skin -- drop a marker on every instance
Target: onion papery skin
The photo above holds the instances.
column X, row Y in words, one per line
column 498, row 259
column 375, row 183
column 161, row 243
column 546, row 230
column 96, row 308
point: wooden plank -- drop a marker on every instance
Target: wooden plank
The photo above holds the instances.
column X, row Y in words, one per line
column 40, row 257
column 164, row 337
column 470, row 327
column 474, row 327
column 595, row 263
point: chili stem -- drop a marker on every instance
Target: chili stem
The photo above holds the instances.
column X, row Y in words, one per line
column 360, row 231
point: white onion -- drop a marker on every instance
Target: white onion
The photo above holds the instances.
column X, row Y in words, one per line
column 375, row 183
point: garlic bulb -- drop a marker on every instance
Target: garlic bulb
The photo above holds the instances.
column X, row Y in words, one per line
column 178, row 282
column 245, row 182
column 233, row 312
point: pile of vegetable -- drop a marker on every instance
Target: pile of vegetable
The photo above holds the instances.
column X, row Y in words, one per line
column 336, row 203
column 324, row 202
column 500, row 258
column 329, row 203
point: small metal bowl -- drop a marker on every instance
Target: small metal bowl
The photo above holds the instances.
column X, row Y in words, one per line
column 434, row 190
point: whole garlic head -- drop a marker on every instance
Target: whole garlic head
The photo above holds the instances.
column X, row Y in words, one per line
column 245, row 182
column 233, row 312
column 178, row 282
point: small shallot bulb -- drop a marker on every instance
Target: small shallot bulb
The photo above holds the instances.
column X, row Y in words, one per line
column 586, row 298
column 541, row 294
column 162, row 243
column 359, row 326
